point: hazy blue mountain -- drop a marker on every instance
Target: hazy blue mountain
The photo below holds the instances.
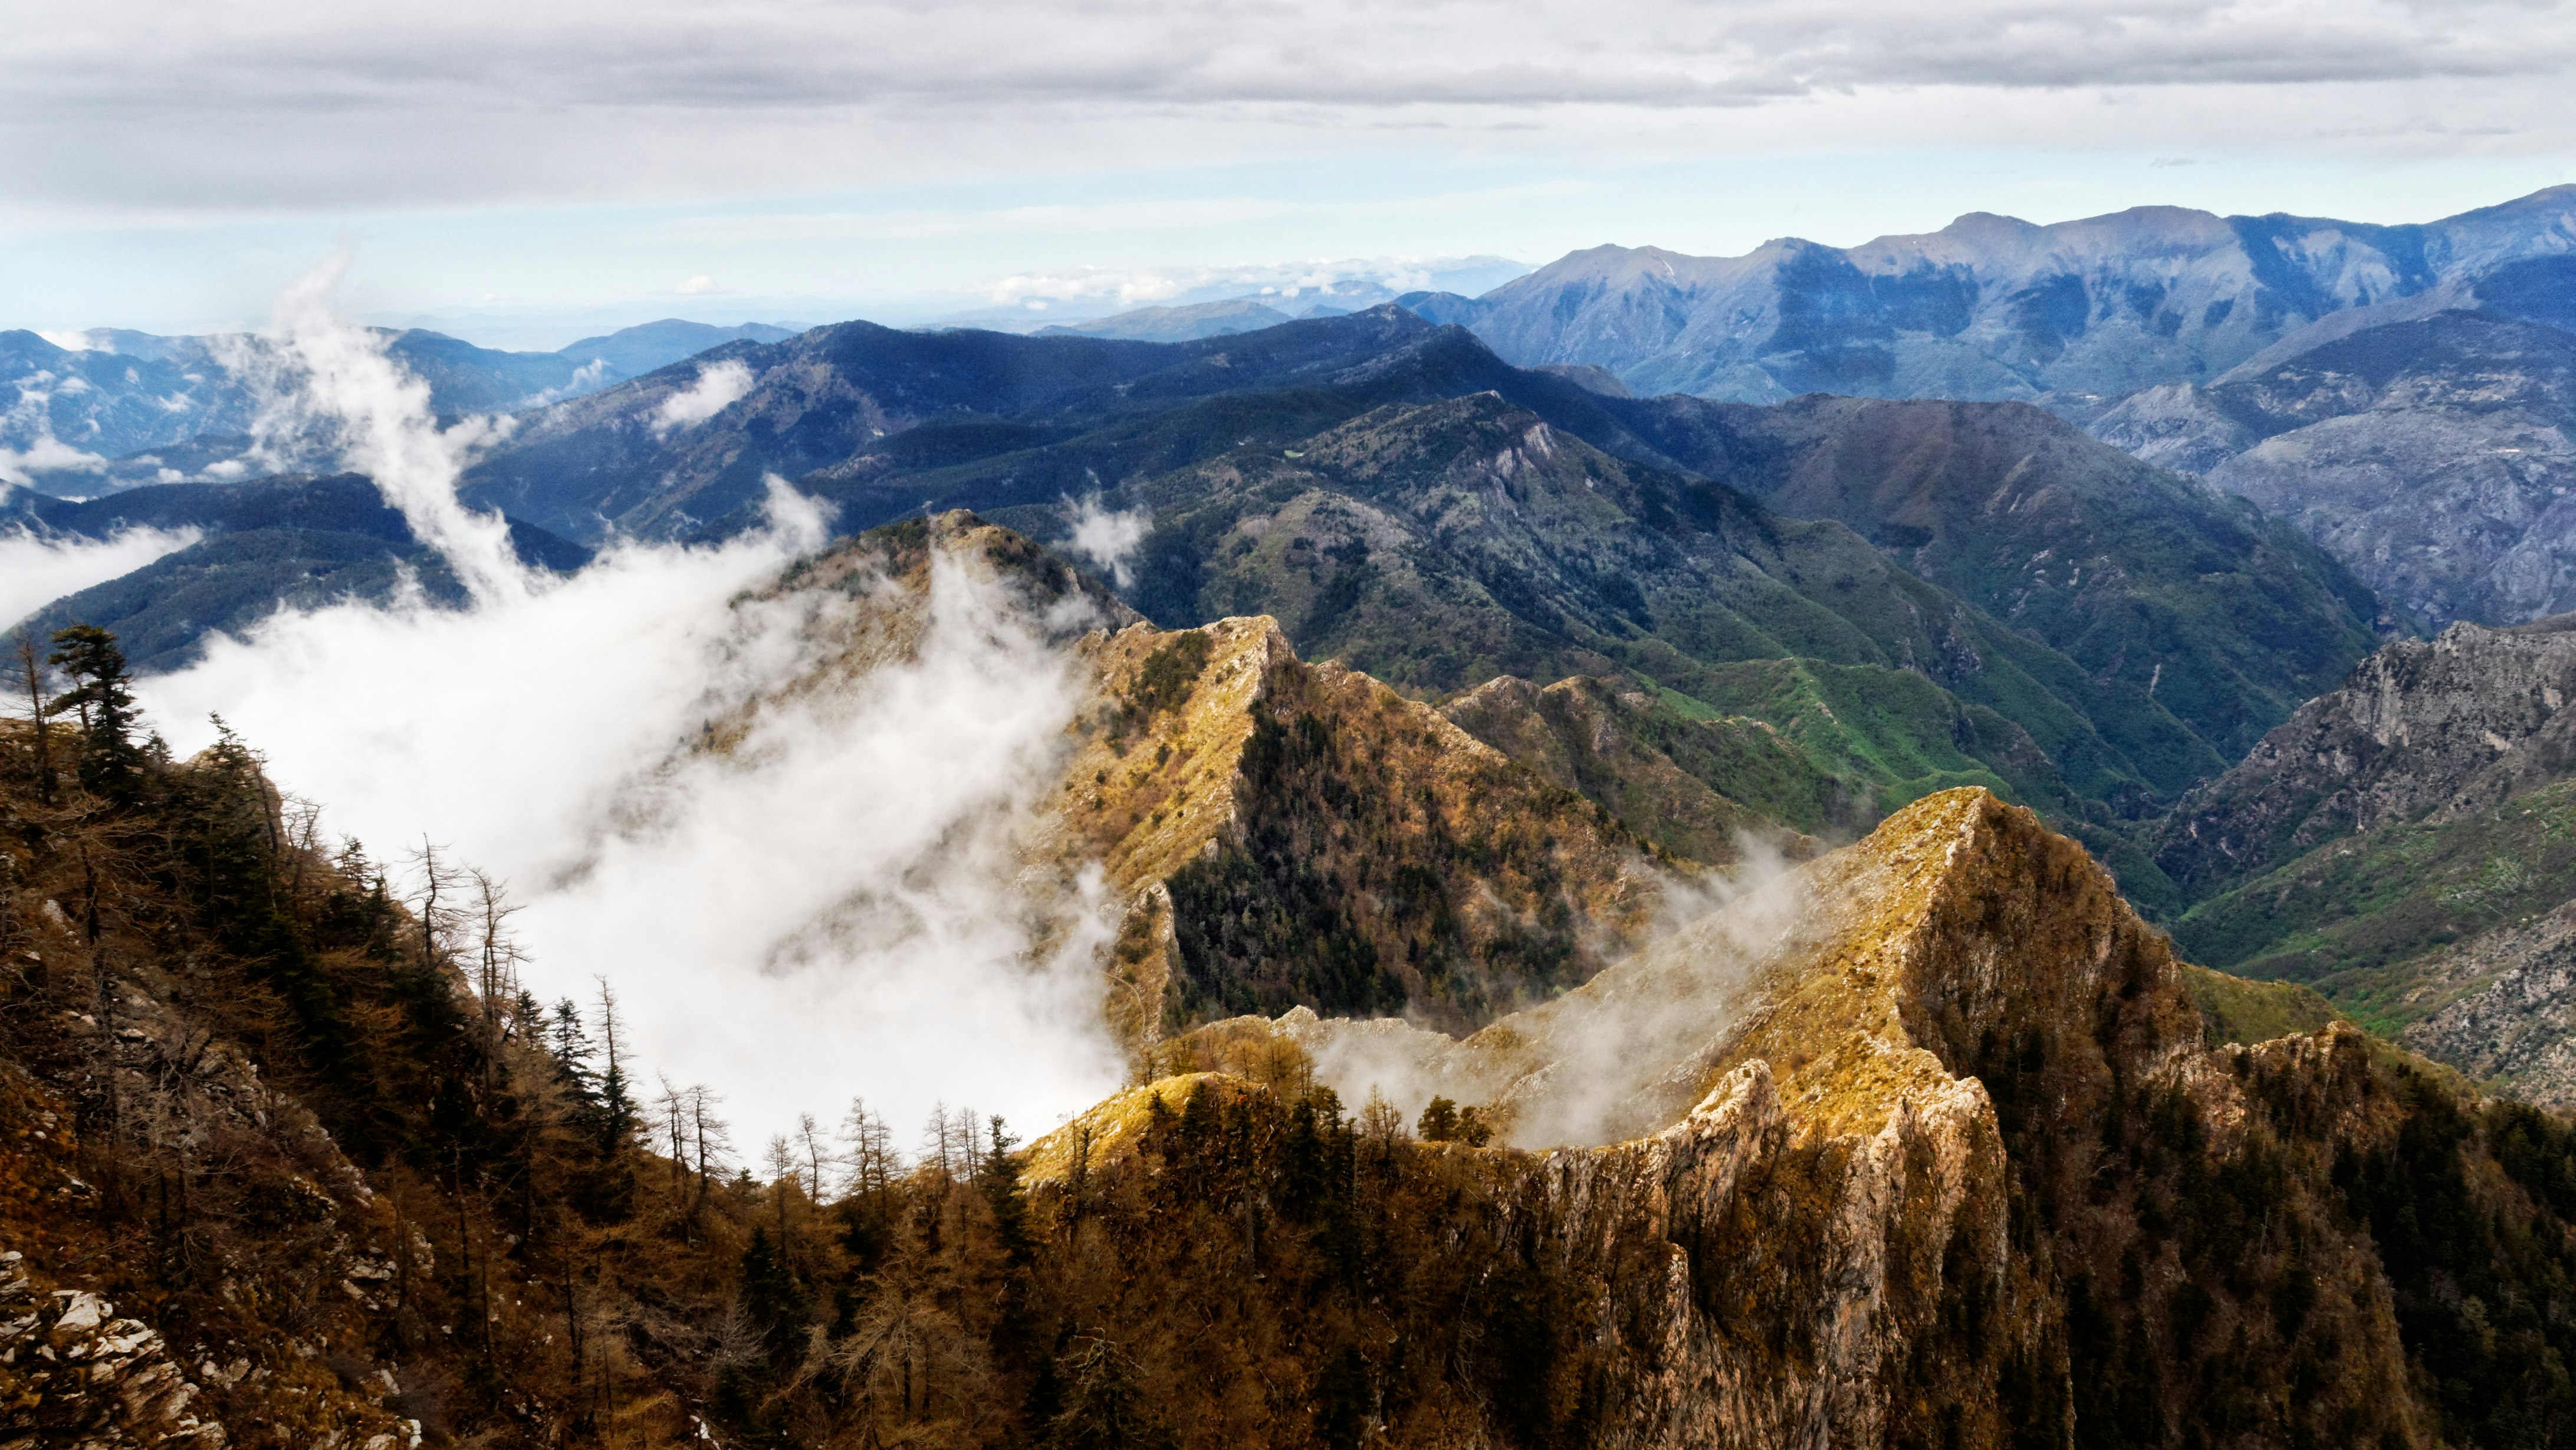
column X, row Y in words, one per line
column 634, row 351
column 120, row 410
column 267, row 543
column 1989, row 307
column 2430, row 445
column 1179, row 324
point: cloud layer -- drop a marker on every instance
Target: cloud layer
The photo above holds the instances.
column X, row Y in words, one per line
column 831, row 906
column 480, row 100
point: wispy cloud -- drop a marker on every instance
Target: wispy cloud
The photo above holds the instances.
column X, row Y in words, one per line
column 719, row 386
column 36, row 571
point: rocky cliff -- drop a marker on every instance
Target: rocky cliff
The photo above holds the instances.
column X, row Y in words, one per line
column 1938, row 1149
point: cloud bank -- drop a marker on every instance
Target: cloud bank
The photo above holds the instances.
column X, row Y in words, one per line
column 829, row 907
column 34, row 571
column 480, row 101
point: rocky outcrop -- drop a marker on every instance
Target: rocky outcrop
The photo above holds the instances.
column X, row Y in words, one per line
column 2502, row 1008
column 1939, row 1148
column 75, row 1375
column 2422, row 728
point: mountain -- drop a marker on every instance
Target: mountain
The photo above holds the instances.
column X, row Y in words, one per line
column 1930, row 1140
column 2222, row 615
column 631, row 352
column 1989, row 307
column 270, row 543
column 2168, row 594
column 2403, row 845
column 132, row 407
column 2430, row 450
column 1178, row 324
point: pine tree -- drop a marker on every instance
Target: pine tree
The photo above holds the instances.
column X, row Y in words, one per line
column 103, row 693
column 1001, row 1184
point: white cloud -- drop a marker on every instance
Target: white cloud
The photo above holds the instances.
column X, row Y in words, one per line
column 1110, row 538
column 34, row 572
column 719, row 386
column 485, row 102
column 696, row 286
column 834, row 906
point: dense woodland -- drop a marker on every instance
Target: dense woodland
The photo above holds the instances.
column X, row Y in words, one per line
column 284, row 1100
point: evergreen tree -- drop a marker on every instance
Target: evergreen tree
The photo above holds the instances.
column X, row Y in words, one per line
column 103, row 694
column 775, row 1301
column 1104, row 1408
column 1001, row 1185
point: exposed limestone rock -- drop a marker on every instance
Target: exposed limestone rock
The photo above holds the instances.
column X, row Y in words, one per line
column 1881, row 1186
column 74, row 1375
column 2422, row 728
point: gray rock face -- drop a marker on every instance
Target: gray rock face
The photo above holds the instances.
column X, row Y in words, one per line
column 2449, row 725
column 2507, row 1011
column 2433, row 457
column 1991, row 307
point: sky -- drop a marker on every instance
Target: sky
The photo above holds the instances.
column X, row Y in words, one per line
column 524, row 173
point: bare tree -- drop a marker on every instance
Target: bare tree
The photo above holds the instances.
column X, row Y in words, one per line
column 496, row 963
column 712, row 1138
column 809, row 1136
column 440, row 910
column 868, row 1148
column 782, row 1174
column 32, row 672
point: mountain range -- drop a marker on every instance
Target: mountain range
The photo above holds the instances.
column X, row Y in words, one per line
column 1927, row 1140
column 126, row 408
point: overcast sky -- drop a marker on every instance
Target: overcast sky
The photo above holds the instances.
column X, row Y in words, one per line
column 532, row 165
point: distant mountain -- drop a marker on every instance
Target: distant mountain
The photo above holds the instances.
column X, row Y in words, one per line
column 85, row 419
column 2054, row 616
column 2431, row 446
column 631, row 352
column 2143, row 576
column 268, row 543
column 1178, row 324
column 1989, row 307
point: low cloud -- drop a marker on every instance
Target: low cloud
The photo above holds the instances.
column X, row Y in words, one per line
column 831, row 905
column 696, row 286
column 35, row 571
column 719, row 386
column 1109, row 538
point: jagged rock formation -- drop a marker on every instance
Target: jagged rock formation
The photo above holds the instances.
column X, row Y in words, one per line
column 1278, row 833
column 1947, row 1153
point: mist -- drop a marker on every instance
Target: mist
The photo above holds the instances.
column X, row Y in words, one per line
column 36, row 571
column 1617, row 1058
column 830, row 905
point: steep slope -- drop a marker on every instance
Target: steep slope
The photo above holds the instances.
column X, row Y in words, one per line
column 1935, row 1149
column 1695, row 787
column 1271, row 833
column 2226, row 618
column 1439, row 546
column 2404, row 845
column 1989, row 307
column 1932, row 1145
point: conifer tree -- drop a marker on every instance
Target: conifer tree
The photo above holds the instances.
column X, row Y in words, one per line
column 103, row 693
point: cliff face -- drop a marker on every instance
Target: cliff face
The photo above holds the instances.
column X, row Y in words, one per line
column 1270, row 833
column 2441, row 726
column 1967, row 1166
